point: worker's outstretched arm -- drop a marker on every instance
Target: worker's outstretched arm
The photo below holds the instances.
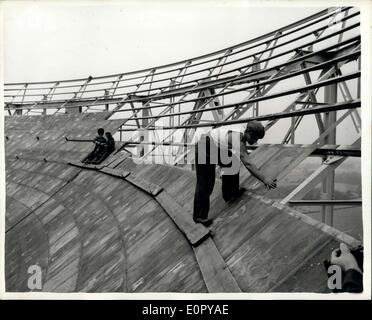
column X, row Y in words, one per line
column 253, row 169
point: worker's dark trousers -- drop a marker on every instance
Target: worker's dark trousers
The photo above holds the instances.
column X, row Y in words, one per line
column 205, row 178
column 96, row 153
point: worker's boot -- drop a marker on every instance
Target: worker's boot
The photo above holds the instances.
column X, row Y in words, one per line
column 237, row 195
column 206, row 222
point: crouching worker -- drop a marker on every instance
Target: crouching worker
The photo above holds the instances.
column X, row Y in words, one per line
column 99, row 147
column 225, row 148
column 109, row 147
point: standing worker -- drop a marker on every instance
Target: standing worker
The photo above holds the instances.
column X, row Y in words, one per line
column 225, row 148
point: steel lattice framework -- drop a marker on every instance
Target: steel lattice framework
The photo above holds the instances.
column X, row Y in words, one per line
column 163, row 107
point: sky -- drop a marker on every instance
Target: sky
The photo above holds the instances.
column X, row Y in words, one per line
column 49, row 41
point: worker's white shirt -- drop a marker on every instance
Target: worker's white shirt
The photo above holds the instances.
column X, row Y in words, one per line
column 220, row 137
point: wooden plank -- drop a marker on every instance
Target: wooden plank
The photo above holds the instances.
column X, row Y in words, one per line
column 160, row 258
column 33, row 246
column 101, row 260
column 67, row 258
column 39, row 181
column 65, row 280
column 60, row 229
column 151, row 264
column 50, row 169
column 195, row 232
column 182, row 190
column 115, row 172
column 128, row 165
column 317, row 225
column 15, row 211
column 238, row 223
column 278, row 165
column 13, row 260
column 115, row 159
column 177, row 270
column 273, row 251
column 107, row 276
column 29, row 197
column 144, row 185
column 310, row 276
column 216, row 273
column 98, row 230
column 154, row 172
column 162, row 175
column 79, row 164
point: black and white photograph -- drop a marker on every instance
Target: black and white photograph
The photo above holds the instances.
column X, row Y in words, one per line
column 185, row 150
